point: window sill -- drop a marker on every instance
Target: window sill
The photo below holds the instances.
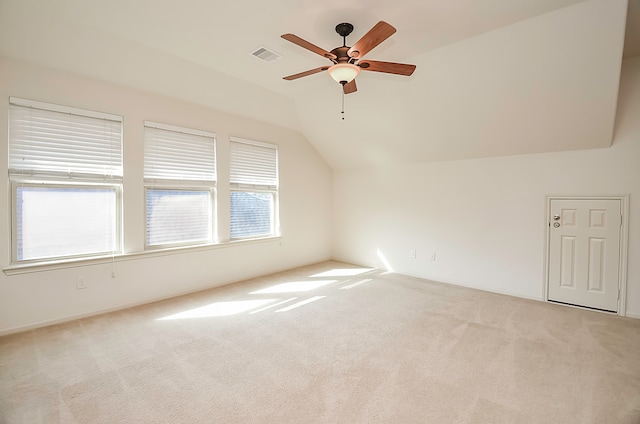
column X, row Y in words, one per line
column 16, row 269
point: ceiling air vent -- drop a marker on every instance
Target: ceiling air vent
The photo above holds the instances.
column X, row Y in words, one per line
column 266, row 54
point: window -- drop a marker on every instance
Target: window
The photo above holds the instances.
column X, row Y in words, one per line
column 254, row 189
column 180, row 181
column 65, row 171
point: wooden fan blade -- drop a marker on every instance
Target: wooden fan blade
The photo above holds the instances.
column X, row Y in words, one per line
column 376, row 35
column 387, row 67
column 350, row 87
column 307, row 45
column 305, row 73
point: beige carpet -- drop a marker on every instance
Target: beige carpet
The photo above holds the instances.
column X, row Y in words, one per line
column 328, row 344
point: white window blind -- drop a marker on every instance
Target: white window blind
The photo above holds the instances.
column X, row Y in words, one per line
column 253, row 164
column 175, row 153
column 56, row 140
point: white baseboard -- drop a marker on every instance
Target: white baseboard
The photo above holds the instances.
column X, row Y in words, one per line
column 108, row 309
column 94, row 312
column 472, row 286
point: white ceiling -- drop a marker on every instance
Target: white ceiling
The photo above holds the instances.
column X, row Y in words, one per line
column 477, row 90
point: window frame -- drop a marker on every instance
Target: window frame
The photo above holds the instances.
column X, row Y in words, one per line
column 181, row 187
column 172, row 184
column 274, row 218
column 55, row 179
column 273, row 189
column 17, row 183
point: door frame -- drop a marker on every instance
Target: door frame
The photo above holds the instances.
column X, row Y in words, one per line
column 624, row 245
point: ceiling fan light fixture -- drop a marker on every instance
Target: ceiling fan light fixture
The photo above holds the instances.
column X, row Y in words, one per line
column 344, row 73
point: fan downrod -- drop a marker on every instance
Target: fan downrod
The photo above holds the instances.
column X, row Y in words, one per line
column 343, row 30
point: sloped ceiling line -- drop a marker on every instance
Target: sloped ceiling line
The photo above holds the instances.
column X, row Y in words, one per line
column 494, row 78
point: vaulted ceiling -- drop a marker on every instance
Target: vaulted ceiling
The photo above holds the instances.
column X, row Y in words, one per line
column 494, row 77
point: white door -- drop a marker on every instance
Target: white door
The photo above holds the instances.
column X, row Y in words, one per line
column 584, row 252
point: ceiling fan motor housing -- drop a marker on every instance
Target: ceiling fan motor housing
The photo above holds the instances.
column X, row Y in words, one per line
column 342, row 54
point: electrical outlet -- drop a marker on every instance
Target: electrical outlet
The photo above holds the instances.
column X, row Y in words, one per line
column 413, row 253
column 81, row 283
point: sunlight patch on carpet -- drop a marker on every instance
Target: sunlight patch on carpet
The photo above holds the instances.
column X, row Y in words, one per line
column 273, row 306
column 298, row 304
column 356, row 284
column 343, row 272
column 294, row 286
column 219, row 309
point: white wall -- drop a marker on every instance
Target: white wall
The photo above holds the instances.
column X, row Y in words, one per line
column 485, row 218
column 38, row 298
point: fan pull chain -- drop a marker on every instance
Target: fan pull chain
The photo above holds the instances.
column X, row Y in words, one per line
column 342, row 105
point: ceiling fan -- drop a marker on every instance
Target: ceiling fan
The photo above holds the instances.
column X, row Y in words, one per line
column 347, row 61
